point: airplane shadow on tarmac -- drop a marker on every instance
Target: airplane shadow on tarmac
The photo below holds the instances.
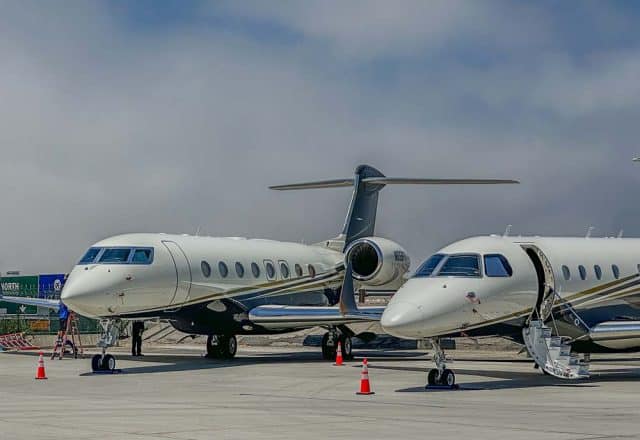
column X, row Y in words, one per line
column 520, row 380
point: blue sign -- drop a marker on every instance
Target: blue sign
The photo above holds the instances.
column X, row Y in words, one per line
column 50, row 286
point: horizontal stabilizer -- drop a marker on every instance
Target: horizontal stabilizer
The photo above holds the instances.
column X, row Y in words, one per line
column 338, row 183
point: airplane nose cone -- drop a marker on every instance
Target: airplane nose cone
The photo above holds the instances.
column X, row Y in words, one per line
column 402, row 319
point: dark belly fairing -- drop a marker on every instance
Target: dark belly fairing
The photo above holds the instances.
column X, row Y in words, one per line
column 230, row 316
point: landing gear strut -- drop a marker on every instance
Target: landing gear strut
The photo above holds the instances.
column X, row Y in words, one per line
column 330, row 345
column 441, row 375
column 108, row 338
column 222, row 346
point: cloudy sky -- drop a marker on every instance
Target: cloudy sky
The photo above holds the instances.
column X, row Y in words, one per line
column 169, row 116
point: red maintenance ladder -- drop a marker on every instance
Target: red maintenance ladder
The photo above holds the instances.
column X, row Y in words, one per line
column 64, row 343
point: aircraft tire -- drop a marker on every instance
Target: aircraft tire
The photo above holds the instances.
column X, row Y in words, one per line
column 328, row 351
column 432, row 377
column 96, row 362
column 448, row 378
column 227, row 346
column 108, row 363
column 347, row 347
column 213, row 351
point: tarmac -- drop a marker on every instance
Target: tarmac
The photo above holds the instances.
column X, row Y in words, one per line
column 288, row 393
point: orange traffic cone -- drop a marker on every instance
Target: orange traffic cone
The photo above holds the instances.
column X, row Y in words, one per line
column 40, row 374
column 339, row 356
column 365, row 387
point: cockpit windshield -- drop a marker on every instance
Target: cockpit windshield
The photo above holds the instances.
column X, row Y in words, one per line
column 427, row 268
column 461, row 265
column 118, row 255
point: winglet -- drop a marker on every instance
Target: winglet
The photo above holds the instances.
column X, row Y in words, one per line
column 347, row 293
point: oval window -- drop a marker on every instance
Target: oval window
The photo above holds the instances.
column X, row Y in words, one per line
column 616, row 271
column 566, row 273
column 271, row 271
column 298, row 269
column 224, row 270
column 284, row 270
column 239, row 269
column 598, row 271
column 312, row 271
column 206, row 269
column 255, row 269
column 583, row 272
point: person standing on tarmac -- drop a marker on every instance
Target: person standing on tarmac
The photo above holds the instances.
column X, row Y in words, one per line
column 136, row 338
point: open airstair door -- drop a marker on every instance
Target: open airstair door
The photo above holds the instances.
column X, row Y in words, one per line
column 183, row 273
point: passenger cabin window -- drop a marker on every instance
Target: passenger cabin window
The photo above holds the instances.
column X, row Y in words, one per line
column 598, row 271
column 566, row 273
column 616, row 271
column 271, row 271
column 90, row 256
column 239, row 269
column 223, row 269
column 462, row 265
column 427, row 268
column 583, row 272
column 298, row 270
column 284, row 270
column 206, row 269
column 312, row 271
column 115, row 255
column 255, row 270
column 496, row 265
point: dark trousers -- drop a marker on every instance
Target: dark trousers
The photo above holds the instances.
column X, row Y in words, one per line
column 136, row 344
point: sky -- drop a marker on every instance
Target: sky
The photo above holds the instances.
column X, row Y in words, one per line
column 175, row 116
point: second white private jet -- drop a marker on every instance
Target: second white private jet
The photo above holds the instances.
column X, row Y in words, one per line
column 559, row 296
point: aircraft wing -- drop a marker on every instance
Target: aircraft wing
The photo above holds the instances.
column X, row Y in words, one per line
column 275, row 317
column 27, row 301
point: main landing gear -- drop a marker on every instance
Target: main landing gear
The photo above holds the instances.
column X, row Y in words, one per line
column 330, row 345
column 440, row 376
column 222, row 346
column 108, row 338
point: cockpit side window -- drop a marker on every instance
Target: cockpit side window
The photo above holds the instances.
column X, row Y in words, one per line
column 496, row 265
column 90, row 256
column 427, row 268
column 142, row 256
column 115, row 255
column 461, row 265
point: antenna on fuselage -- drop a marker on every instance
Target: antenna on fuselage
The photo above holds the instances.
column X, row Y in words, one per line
column 507, row 231
column 620, row 233
column 589, row 231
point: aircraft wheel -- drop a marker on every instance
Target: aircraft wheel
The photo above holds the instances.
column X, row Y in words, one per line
column 347, row 347
column 108, row 362
column 227, row 346
column 432, row 377
column 448, row 378
column 212, row 347
column 96, row 362
column 328, row 350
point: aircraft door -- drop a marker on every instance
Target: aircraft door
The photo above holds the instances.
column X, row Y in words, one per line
column 183, row 272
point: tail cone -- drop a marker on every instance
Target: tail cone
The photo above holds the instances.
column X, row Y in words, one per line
column 40, row 373
column 365, row 386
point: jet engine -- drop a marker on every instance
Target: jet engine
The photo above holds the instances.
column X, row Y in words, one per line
column 377, row 261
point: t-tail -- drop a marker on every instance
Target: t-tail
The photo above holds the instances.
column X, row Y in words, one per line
column 367, row 183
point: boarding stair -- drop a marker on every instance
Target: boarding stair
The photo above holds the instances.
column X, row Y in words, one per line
column 553, row 353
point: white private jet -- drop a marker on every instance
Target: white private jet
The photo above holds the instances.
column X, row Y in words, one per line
column 224, row 286
column 559, row 296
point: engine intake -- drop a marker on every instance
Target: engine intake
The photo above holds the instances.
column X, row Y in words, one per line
column 377, row 261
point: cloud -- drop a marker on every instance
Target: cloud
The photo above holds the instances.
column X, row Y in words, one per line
column 109, row 124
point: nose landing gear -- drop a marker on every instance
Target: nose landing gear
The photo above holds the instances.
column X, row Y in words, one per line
column 441, row 376
column 108, row 338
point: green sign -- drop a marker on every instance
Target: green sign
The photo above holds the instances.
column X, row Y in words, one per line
column 19, row 286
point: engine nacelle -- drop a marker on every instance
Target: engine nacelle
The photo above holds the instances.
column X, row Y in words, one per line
column 377, row 261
